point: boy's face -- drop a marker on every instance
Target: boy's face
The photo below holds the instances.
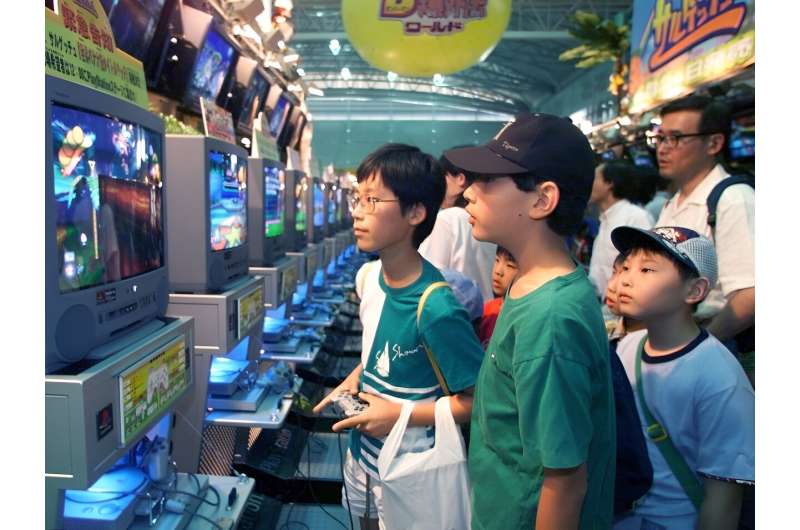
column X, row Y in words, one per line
column 497, row 209
column 650, row 287
column 611, row 290
column 386, row 225
column 503, row 273
column 600, row 188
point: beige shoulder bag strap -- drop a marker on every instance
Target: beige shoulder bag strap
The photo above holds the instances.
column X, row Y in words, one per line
column 436, row 370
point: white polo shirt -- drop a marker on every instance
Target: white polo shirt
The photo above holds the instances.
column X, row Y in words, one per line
column 621, row 213
column 735, row 234
column 451, row 246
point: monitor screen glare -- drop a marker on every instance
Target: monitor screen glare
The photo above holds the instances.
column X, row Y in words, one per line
column 107, row 187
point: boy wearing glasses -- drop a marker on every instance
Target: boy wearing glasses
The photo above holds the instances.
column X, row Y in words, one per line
column 690, row 145
column 543, row 440
column 400, row 189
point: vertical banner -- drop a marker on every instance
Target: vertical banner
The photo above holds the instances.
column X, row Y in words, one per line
column 680, row 45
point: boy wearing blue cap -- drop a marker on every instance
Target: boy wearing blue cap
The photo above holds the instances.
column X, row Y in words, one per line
column 542, row 451
column 696, row 404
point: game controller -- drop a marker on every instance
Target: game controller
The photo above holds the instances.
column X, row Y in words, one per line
column 348, row 405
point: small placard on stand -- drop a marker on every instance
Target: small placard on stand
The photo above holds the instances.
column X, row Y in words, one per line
column 218, row 122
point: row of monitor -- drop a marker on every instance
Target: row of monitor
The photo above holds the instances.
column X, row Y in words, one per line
column 187, row 56
column 113, row 178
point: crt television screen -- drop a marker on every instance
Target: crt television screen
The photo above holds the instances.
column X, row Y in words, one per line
column 227, row 192
column 107, row 184
column 332, row 208
column 252, row 99
column 300, row 207
column 319, row 205
column 133, row 23
column 340, row 206
column 277, row 118
column 273, row 201
column 742, row 144
column 210, row 69
column 641, row 156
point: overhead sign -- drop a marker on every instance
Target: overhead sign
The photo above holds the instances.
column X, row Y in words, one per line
column 680, row 45
column 424, row 37
column 80, row 48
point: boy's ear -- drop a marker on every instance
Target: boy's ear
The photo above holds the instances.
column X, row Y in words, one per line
column 697, row 290
column 416, row 214
column 547, row 196
column 461, row 179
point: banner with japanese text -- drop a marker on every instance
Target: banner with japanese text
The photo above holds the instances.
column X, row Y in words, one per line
column 680, row 45
column 80, row 48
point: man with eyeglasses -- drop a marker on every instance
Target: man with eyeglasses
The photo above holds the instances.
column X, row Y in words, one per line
column 690, row 146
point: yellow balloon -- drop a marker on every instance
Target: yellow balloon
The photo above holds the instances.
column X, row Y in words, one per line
column 424, row 37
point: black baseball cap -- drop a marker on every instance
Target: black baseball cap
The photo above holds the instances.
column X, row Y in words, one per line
column 543, row 145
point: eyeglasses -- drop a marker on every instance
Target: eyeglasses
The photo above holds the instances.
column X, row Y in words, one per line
column 671, row 140
column 367, row 203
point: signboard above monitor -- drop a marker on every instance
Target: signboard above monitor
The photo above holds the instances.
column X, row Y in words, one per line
column 678, row 46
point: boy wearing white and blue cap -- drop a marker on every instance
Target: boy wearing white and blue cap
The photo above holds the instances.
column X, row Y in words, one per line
column 695, row 402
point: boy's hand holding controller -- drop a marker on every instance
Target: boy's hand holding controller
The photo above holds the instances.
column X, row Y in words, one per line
column 348, row 386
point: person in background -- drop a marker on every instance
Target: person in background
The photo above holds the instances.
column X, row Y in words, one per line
column 503, row 274
column 617, row 324
column 614, row 186
column 699, row 399
column 451, row 245
column 690, row 148
column 467, row 293
column 543, row 438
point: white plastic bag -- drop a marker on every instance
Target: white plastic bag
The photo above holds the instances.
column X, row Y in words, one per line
column 427, row 490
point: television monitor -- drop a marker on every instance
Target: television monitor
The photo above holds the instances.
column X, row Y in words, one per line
column 267, row 209
column 742, row 144
column 333, row 206
column 247, row 93
column 210, row 71
column 295, row 225
column 134, row 23
column 183, row 35
column 279, row 117
column 340, row 207
column 273, row 95
column 315, row 210
column 207, row 249
column 640, row 155
column 105, row 225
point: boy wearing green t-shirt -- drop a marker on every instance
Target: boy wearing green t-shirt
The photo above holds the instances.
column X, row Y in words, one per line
column 542, row 450
column 399, row 192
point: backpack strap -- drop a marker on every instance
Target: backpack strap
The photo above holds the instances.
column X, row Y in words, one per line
column 716, row 194
column 436, row 370
column 659, row 436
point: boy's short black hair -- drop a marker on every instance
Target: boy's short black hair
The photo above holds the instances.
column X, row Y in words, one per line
column 715, row 115
column 452, row 169
column 503, row 251
column 623, row 177
column 413, row 176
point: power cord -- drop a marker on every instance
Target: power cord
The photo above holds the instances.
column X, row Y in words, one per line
column 344, row 483
column 311, row 488
column 285, row 525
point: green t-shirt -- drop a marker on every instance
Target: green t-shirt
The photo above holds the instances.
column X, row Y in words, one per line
column 397, row 367
column 543, row 399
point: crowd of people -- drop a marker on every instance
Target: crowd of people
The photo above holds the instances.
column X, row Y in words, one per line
column 618, row 395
